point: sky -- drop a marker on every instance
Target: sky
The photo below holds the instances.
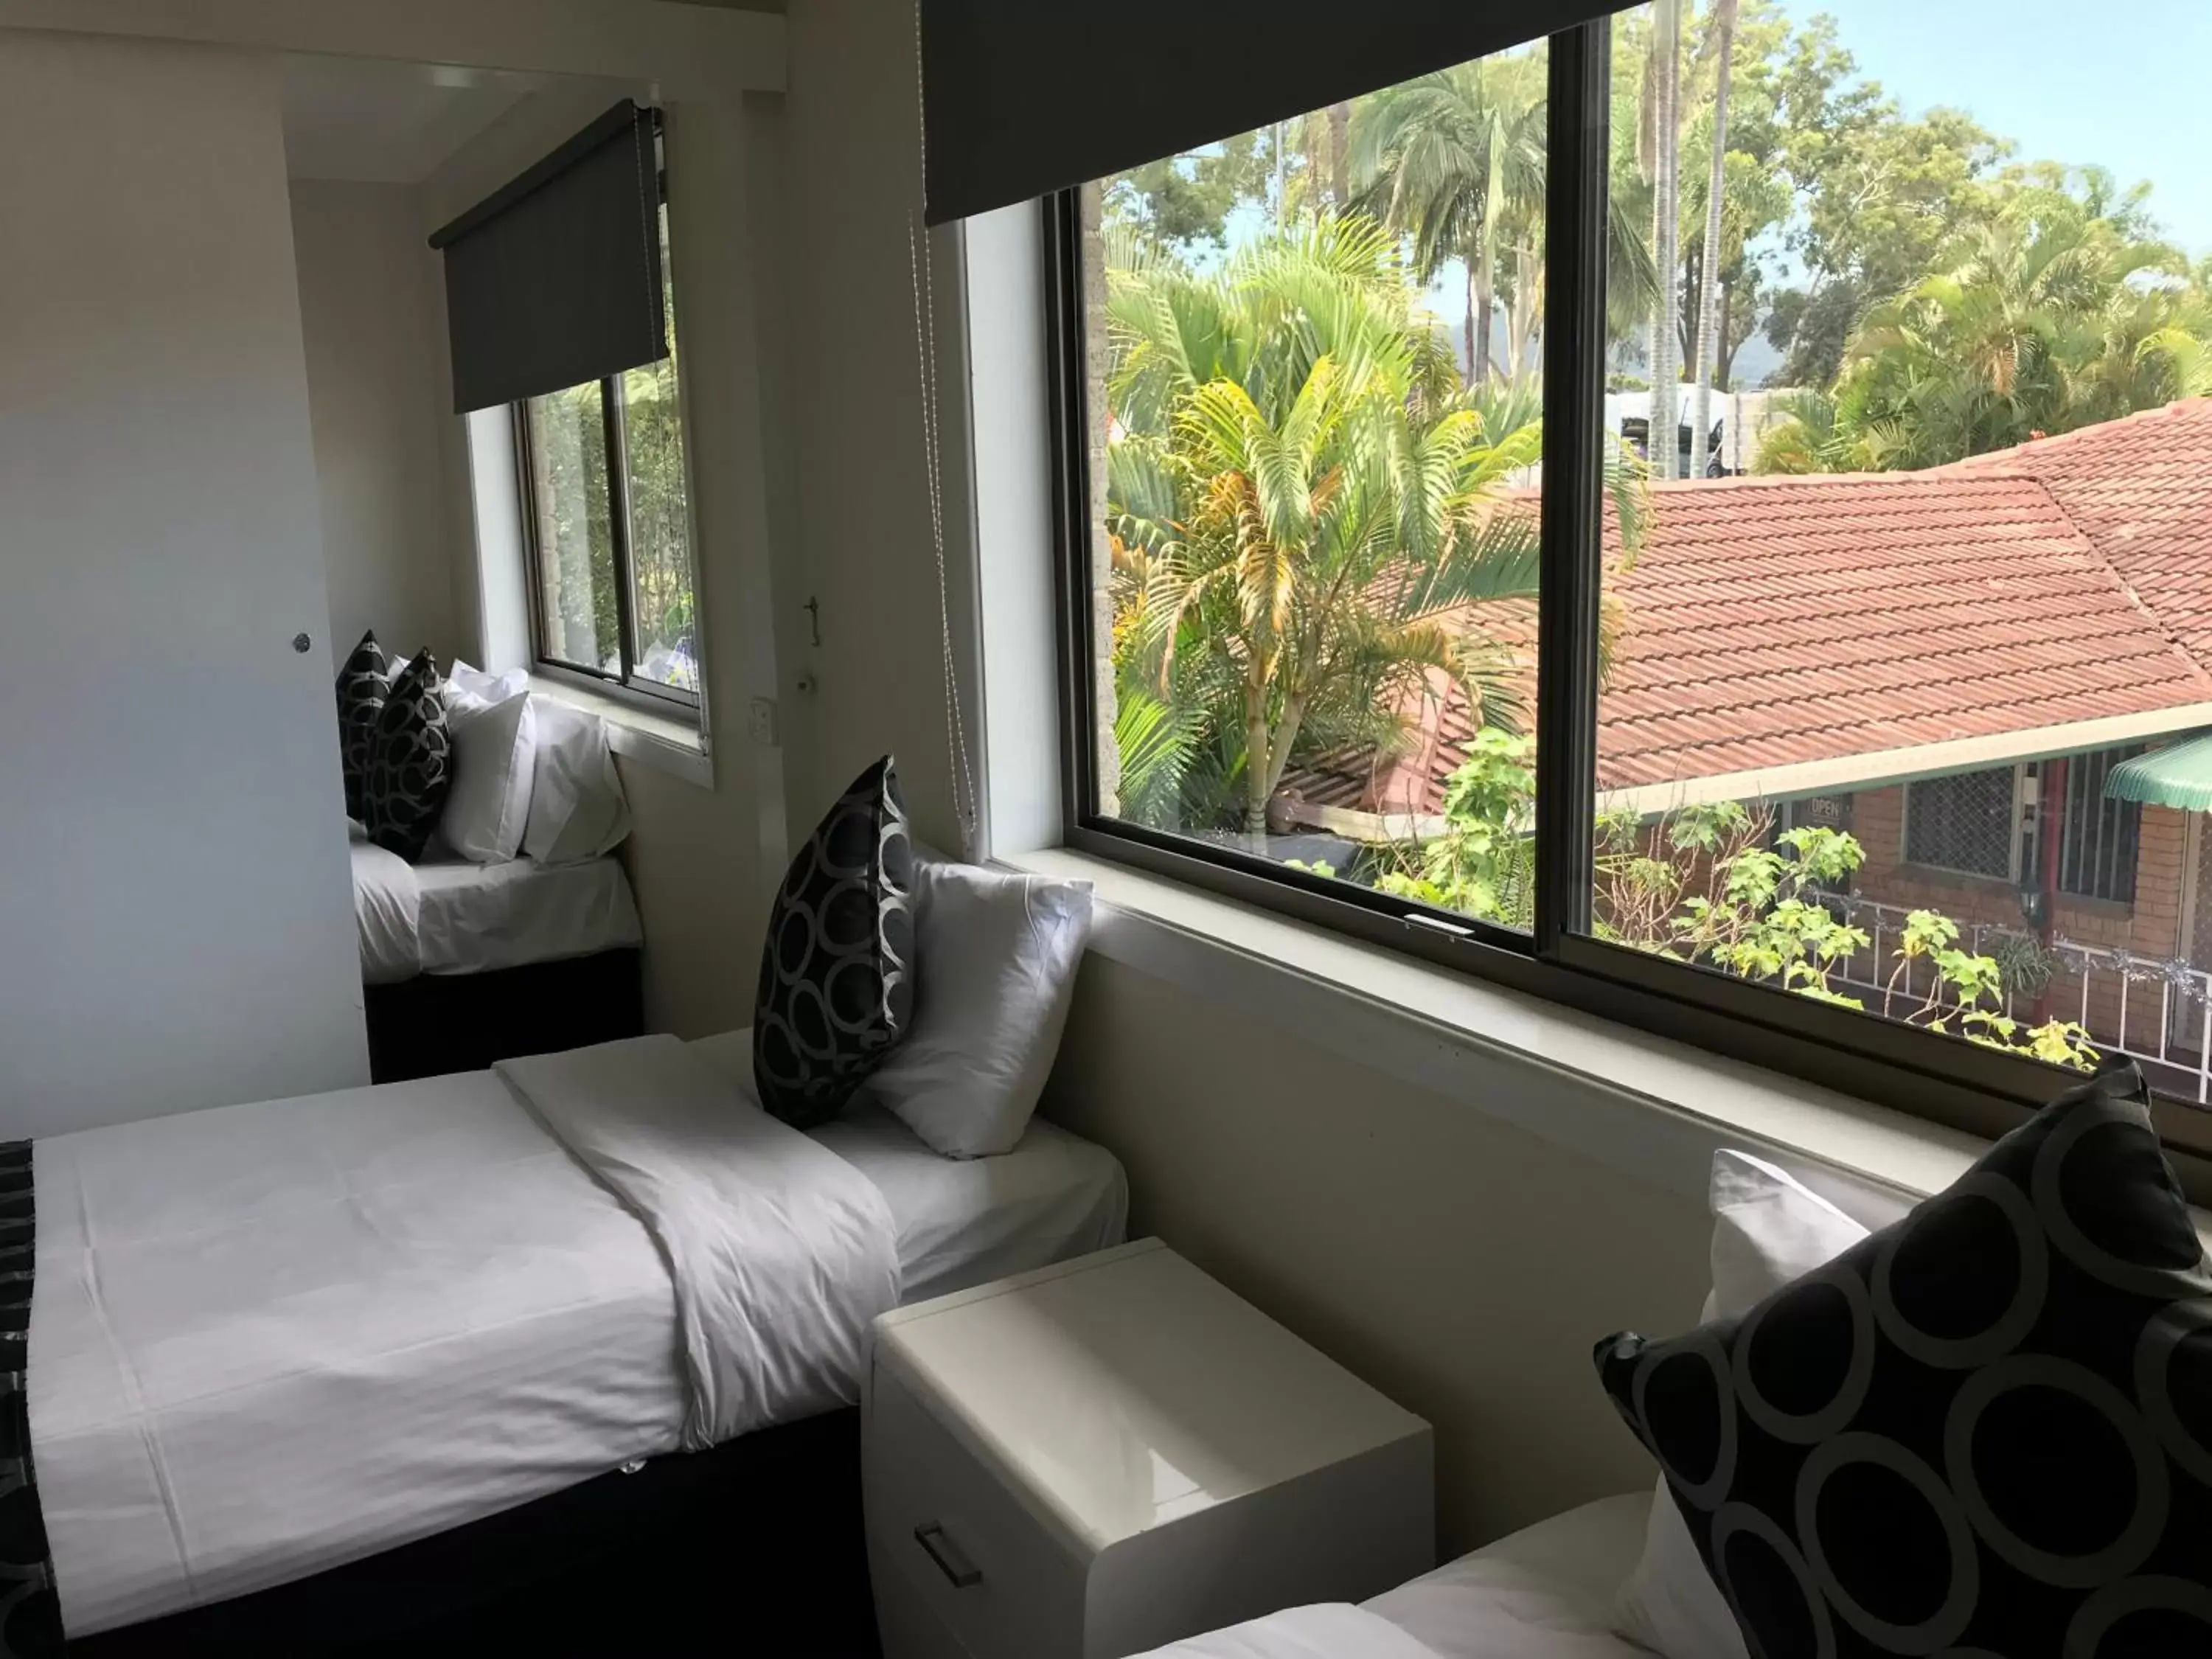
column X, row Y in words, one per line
column 2117, row 82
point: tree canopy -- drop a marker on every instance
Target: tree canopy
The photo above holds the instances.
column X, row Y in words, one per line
column 1299, row 484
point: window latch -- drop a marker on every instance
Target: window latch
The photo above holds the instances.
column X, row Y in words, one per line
column 1438, row 925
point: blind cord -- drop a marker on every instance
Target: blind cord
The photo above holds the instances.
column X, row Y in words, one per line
column 925, row 329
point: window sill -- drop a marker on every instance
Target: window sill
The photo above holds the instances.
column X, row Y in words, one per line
column 1641, row 1105
column 668, row 743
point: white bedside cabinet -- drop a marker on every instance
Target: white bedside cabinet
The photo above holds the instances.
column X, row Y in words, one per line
column 1113, row 1453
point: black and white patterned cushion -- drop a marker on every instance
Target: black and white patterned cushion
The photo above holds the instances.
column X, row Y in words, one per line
column 837, row 973
column 1985, row 1431
column 411, row 768
column 363, row 685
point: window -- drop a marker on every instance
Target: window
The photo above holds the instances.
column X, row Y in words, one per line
column 1987, row 824
column 1288, row 618
column 1969, row 823
column 609, row 518
column 1382, row 609
column 2101, row 839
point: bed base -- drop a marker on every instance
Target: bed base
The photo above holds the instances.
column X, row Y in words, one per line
column 435, row 1023
column 755, row 1548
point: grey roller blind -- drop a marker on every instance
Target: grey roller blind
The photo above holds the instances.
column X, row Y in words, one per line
column 1023, row 97
column 555, row 278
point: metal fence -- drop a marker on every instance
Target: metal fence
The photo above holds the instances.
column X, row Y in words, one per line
column 2115, row 995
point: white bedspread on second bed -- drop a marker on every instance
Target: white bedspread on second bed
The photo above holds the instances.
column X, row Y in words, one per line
column 1544, row 1593
column 1330, row 1630
column 267, row 1340
column 448, row 915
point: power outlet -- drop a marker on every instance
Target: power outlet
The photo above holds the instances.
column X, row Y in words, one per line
column 760, row 721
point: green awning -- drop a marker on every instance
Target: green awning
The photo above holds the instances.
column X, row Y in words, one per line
column 2180, row 774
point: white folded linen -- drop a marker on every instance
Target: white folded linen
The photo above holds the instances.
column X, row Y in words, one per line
column 782, row 1253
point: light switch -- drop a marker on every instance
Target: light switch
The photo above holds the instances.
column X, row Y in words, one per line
column 761, row 720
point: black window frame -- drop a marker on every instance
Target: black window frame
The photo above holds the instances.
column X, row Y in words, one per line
column 614, row 433
column 1963, row 1085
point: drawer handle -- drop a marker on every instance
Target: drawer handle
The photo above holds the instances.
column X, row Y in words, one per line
column 950, row 1561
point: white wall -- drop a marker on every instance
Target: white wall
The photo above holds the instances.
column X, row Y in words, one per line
column 856, row 409
column 175, row 902
column 1464, row 1267
column 372, row 309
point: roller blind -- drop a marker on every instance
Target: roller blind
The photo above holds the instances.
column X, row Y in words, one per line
column 555, row 278
column 1023, row 97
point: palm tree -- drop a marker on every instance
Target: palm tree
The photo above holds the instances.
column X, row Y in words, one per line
column 1661, row 131
column 1709, row 298
column 2052, row 318
column 1449, row 159
column 1340, row 155
column 1300, row 487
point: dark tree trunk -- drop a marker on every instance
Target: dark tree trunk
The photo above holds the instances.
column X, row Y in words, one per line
column 1724, row 366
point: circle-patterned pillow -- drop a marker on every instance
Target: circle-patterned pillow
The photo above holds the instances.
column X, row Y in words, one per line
column 1984, row 1430
column 411, row 770
column 837, row 972
column 363, row 685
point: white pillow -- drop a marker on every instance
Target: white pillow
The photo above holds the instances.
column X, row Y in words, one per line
column 494, row 737
column 1767, row 1231
column 489, row 688
column 577, row 807
column 997, row 955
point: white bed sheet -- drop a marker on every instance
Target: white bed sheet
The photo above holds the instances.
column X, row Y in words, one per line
column 448, row 915
column 488, row 1323
column 1544, row 1593
column 967, row 1221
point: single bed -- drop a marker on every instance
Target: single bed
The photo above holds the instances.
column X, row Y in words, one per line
column 464, row 964
column 1545, row 1593
column 281, row 1343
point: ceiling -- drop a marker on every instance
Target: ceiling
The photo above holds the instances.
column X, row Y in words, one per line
column 375, row 121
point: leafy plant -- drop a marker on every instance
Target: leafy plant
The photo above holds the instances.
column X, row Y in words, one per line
column 1713, row 884
column 1485, row 864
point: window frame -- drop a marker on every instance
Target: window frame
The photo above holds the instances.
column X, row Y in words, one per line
column 614, row 410
column 1962, row 1086
column 2126, row 827
column 652, row 693
column 2015, row 870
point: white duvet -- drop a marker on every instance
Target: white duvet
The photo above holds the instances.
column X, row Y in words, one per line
column 1549, row 1592
column 270, row 1338
column 448, row 915
column 1332, row 1631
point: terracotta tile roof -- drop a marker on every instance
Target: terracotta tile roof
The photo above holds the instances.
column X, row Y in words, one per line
column 1774, row 621
column 2141, row 489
